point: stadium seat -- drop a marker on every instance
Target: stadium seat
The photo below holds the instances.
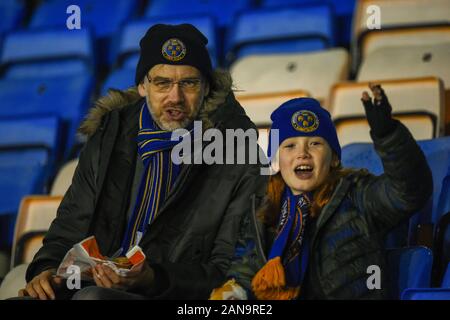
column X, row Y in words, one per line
column 259, row 107
column 128, row 50
column 292, row 29
column 103, row 16
column 401, row 13
column 419, row 96
column 13, row 282
column 66, row 97
column 223, row 13
column 407, row 62
column 63, row 179
column 119, row 79
column 342, row 8
column 23, row 172
column 356, row 128
column 425, row 35
column 34, row 217
column 24, row 132
column 426, row 294
column 441, row 248
column 11, row 14
column 446, row 279
column 409, row 268
column 47, row 53
column 314, row 72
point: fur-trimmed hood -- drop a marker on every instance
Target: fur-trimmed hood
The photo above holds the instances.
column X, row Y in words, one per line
column 221, row 87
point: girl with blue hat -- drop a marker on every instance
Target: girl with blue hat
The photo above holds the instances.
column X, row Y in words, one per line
column 319, row 227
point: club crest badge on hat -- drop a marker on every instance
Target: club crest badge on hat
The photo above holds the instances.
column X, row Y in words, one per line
column 305, row 121
column 173, row 49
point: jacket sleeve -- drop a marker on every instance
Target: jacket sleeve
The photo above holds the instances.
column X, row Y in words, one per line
column 403, row 188
column 74, row 213
column 179, row 276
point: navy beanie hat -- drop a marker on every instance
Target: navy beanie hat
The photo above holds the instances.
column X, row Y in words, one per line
column 304, row 117
column 181, row 44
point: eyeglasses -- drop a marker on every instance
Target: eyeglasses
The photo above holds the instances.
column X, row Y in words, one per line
column 165, row 85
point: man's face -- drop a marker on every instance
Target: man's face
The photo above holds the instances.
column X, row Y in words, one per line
column 174, row 94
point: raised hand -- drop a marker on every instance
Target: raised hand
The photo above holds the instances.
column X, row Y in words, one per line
column 378, row 112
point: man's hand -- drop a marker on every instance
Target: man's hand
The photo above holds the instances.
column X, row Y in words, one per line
column 41, row 287
column 142, row 277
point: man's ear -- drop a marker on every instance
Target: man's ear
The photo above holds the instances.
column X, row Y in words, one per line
column 141, row 89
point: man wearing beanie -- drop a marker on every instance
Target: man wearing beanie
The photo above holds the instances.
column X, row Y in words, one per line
column 127, row 191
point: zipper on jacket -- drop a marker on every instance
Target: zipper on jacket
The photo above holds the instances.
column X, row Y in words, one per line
column 258, row 243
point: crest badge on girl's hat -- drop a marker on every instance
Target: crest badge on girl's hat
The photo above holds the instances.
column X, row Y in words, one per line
column 173, row 49
column 305, row 121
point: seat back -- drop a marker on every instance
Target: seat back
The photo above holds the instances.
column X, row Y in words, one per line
column 293, row 29
column 47, row 53
column 356, row 129
column 313, row 72
column 63, row 179
column 66, row 97
column 409, row 268
column 401, row 37
column 36, row 213
column 42, row 132
column 400, row 13
column 222, row 13
column 407, row 62
column 418, row 95
column 259, row 107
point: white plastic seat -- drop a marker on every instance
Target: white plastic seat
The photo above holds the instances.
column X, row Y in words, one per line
column 419, row 95
column 63, row 179
column 313, row 72
column 407, row 62
column 13, row 282
column 36, row 213
column 352, row 130
column 401, row 13
column 259, row 107
column 423, row 36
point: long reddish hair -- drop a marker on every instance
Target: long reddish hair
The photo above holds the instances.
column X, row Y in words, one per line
column 270, row 210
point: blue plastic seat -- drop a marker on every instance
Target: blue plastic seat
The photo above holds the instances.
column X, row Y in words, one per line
column 47, row 53
column 104, row 17
column 128, row 51
column 342, row 8
column 426, row 294
column 119, row 79
column 22, row 172
column 446, row 279
column 221, row 11
column 11, row 14
column 409, row 268
column 32, row 131
column 292, row 29
column 437, row 153
column 65, row 97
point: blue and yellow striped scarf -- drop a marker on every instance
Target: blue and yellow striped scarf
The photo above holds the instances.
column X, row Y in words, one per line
column 154, row 147
column 282, row 276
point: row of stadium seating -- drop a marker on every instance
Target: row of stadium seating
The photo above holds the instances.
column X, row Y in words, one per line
column 245, row 19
